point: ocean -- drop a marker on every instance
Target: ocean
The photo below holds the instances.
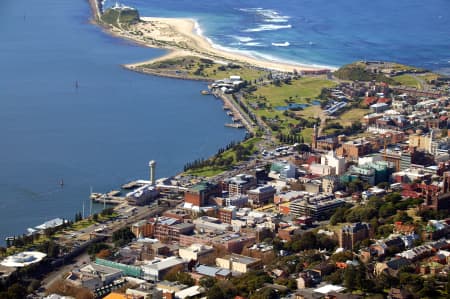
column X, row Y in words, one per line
column 101, row 134
column 321, row 32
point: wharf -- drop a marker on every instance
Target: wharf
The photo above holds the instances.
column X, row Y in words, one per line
column 131, row 185
column 111, row 200
column 239, row 116
column 235, row 125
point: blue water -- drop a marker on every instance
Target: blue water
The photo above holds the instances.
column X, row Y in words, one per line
column 292, row 106
column 99, row 135
column 322, row 32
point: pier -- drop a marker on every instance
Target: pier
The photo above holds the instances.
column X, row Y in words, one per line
column 131, row 185
column 110, row 200
column 239, row 117
column 235, row 125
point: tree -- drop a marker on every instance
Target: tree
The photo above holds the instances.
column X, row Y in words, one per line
column 342, row 256
column 16, row 291
column 265, row 293
column 355, row 186
column 95, row 248
column 429, row 289
column 207, row 282
column 215, row 293
column 302, row 147
column 387, row 210
column 222, row 290
column 103, row 254
column 175, row 274
column 383, row 185
column 34, row 285
column 122, row 236
column 338, row 216
column 350, row 278
column 107, row 211
column 403, row 217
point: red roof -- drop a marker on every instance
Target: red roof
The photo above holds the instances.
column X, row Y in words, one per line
column 311, row 160
column 384, row 100
column 370, row 100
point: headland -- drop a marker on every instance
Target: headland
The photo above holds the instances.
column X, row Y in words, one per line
column 182, row 37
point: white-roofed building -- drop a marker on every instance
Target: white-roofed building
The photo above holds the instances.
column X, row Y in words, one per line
column 195, row 252
column 189, row 292
column 23, row 259
column 326, row 289
column 157, row 268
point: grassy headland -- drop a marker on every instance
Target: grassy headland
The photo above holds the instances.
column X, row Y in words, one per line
column 198, row 68
column 224, row 160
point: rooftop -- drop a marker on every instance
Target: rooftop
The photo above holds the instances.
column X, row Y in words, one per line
column 160, row 264
column 241, row 259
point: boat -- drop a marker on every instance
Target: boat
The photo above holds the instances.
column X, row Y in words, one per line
column 95, row 195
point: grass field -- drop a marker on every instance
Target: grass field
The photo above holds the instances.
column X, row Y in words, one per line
column 298, row 91
column 307, row 134
column 310, row 112
column 208, row 171
column 408, row 80
column 351, row 116
column 428, row 76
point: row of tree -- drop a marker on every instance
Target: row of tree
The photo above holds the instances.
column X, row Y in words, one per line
column 290, row 139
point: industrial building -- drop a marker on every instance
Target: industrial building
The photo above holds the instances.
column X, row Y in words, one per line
column 317, row 207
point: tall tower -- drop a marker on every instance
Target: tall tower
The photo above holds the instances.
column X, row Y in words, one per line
column 152, row 165
column 315, row 136
column 430, row 149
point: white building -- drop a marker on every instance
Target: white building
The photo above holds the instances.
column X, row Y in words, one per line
column 338, row 163
column 283, row 170
column 319, row 169
column 157, row 268
column 194, row 252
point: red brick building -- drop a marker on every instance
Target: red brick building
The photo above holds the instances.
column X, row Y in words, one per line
column 200, row 194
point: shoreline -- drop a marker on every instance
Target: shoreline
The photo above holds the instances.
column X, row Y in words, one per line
column 183, row 37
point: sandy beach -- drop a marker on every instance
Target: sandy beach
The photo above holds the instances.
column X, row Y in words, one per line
column 180, row 36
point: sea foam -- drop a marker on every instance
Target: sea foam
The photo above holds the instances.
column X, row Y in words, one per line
column 269, row 15
column 255, row 54
column 268, row 27
column 242, row 39
column 253, row 44
column 285, row 44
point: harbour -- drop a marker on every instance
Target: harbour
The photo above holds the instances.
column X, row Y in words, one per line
column 57, row 131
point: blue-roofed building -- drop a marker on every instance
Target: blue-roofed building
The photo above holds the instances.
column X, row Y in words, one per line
column 216, row 272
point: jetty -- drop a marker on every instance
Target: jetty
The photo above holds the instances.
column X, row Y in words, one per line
column 238, row 116
column 235, row 125
column 110, row 200
column 131, row 185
